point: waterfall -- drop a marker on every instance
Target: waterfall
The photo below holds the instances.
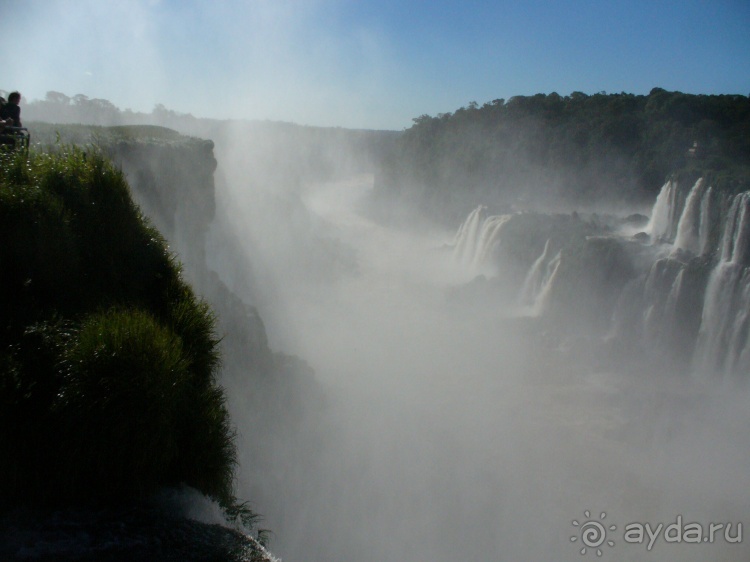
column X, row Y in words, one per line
column 532, row 285
column 723, row 336
column 542, row 300
column 735, row 243
column 662, row 286
column 681, row 312
column 738, row 352
column 662, row 328
column 705, row 221
column 690, row 225
column 489, row 238
column 673, row 299
column 539, row 281
column 465, row 242
column 659, row 223
column 477, row 238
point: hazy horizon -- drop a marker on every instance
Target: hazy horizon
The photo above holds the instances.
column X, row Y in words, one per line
column 366, row 65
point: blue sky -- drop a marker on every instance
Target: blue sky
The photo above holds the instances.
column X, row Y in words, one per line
column 369, row 64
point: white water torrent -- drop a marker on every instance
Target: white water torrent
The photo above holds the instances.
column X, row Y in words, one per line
column 705, row 221
column 723, row 338
column 477, row 238
column 688, row 224
column 691, row 230
column 536, row 287
column 735, row 244
column 661, row 274
column 664, row 207
column 465, row 242
column 541, row 300
column 489, row 238
column 670, row 308
column 535, row 278
column 722, row 317
column 723, row 342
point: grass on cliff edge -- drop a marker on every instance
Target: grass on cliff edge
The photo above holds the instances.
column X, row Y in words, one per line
column 108, row 360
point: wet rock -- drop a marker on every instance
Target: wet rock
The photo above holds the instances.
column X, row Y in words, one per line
column 141, row 533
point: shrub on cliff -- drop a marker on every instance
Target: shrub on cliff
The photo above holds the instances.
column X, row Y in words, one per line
column 107, row 358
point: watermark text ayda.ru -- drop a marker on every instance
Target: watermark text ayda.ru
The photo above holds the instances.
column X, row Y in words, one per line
column 594, row 535
column 679, row 532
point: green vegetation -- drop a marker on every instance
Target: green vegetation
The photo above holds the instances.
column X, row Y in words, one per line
column 108, row 360
column 606, row 146
column 48, row 134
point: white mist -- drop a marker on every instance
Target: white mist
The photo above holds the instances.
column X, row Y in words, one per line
column 450, row 433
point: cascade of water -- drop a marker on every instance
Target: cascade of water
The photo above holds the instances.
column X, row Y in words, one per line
column 718, row 319
column 489, row 237
column 675, row 210
column 689, row 226
column 673, row 298
column 541, row 301
column 723, row 335
column 705, row 221
column 658, row 224
column 534, row 278
column 465, row 242
column 662, row 280
column 735, row 243
column 738, row 350
column 477, row 237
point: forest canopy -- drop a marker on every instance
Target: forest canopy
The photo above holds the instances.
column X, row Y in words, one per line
column 610, row 147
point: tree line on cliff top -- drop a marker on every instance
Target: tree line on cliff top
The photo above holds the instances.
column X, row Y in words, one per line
column 576, row 147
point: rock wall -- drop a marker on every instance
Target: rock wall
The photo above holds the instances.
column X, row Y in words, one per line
column 173, row 182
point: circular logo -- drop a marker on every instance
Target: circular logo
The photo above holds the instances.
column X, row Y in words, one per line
column 592, row 534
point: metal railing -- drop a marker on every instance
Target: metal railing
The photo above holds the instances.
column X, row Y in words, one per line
column 15, row 136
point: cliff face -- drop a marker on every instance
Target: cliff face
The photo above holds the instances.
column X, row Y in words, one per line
column 101, row 333
column 173, row 183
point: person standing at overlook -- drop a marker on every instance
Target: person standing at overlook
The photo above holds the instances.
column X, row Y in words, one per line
column 12, row 110
column 4, row 122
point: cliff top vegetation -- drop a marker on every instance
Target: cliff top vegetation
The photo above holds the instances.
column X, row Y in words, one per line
column 108, row 360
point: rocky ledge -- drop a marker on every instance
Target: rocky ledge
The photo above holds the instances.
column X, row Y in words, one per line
column 142, row 533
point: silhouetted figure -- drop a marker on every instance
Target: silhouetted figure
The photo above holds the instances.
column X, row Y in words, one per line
column 4, row 122
column 12, row 110
column 12, row 131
